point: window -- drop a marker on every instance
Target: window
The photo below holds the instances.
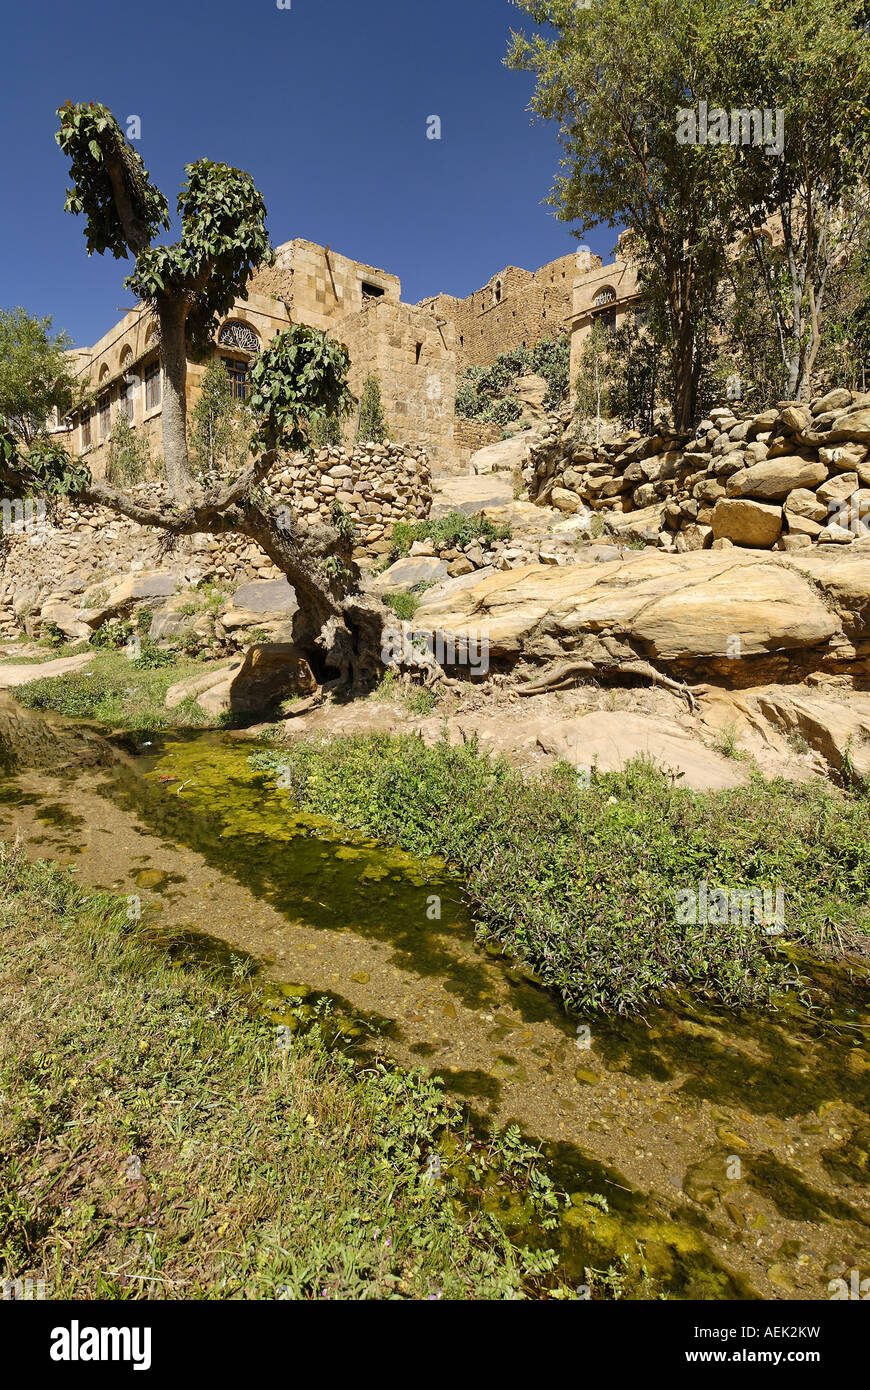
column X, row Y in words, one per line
column 605, row 296
column 237, row 371
column 128, row 394
column 419, row 351
column 152, row 387
column 496, row 293
column 105, row 406
column 608, row 320
column 86, row 431
column 240, row 337
column 370, row 291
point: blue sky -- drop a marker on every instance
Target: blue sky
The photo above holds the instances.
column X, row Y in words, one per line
column 324, row 103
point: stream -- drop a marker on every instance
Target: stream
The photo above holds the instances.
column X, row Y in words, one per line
column 731, row 1149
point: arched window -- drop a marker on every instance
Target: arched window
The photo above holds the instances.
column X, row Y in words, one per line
column 605, row 296
column 240, row 337
column 129, row 383
column 496, row 292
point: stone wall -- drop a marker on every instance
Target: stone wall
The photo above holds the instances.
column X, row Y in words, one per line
column 377, row 484
column 469, row 436
column 516, row 308
column 786, row 479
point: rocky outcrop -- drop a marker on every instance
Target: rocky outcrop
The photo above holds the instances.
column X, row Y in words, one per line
column 740, row 617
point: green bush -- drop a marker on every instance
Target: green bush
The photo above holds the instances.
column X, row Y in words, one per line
column 579, row 883
column 454, row 530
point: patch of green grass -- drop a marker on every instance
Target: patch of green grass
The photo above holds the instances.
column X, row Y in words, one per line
column 416, row 698
column 120, row 693
column 403, row 605
column 454, row 530
column 580, row 883
column 161, row 1138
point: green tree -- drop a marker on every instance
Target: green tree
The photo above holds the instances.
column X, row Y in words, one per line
column 128, row 457
column 299, row 378
column 372, row 420
column 613, row 76
column 219, row 425
column 35, row 373
column 800, row 200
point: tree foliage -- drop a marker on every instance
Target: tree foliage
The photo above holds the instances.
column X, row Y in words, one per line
column 35, row 373
column 300, row 377
column 372, row 420
column 219, row 427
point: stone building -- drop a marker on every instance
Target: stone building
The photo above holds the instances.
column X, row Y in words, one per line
column 516, row 308
column 410, row 349
column 606, row 293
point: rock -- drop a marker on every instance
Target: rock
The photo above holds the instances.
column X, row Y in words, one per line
column 565, row 501
column 470, row 495
column 12, row 675
column 460, row 567
column 775, row 478
column 122, row 594
column 852, row 424
column 269, row 673
column 804, row 503
column 425, row 547
column 505, row 456
column 746, row 522
column 608, row 740
column 64, row 617
column 838, row 399
column 838, row 489
column 674, row 608
column 408, row 572
column 835, row 535
column 265, row 603
column 196, row 685
column 839, row 732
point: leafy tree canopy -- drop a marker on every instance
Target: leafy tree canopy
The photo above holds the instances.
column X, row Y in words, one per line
column 35, row 374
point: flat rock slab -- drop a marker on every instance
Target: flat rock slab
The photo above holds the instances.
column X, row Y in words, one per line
column 704, row 604
column 470, row 495
column 505, row 456
column 266, row 596
column 410, row 570
column 608, row 740
column 11, row 676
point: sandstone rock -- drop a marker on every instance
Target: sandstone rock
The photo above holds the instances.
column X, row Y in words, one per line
column 838, row 489
column 12, row 675
column 269, row 673
column 609, row 741
column 196, row 685
column 746, row 522
column 564, row 500
column 804, row 503
column 838, row 399
column 852, row 424
column 63, row 616
column 775, row 478
column 406, row 573
column 839, row 732
column 835, row 535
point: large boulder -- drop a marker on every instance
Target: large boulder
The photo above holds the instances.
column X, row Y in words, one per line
column 506, row 455
column 270, row 673
column 608, row 740
column 408, row 572
column 265, row 603
column 100, row 602
column 774, row 478
column 852, row 424
column 688, row 609
column 745, row 522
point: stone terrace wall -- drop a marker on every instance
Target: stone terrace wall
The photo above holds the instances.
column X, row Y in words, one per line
column 793, row 476
column 377, row 484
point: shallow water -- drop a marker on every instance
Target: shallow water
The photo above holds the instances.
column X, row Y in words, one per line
column 731, row 1150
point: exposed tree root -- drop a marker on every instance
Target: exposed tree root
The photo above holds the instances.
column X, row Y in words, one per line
column 565, row 673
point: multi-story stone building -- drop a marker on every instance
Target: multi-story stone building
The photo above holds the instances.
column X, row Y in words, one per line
column 409, row 349
column 516, row 308
column 416, row 351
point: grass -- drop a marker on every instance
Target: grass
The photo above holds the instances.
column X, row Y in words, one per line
column 120, row 693
column 403, row 605
column 454, row 530
column 579, row 883
column 156, row 1141
column 416, row 698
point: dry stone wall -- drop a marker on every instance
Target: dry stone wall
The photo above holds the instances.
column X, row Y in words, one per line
column 789, row 478
column 377, row 484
